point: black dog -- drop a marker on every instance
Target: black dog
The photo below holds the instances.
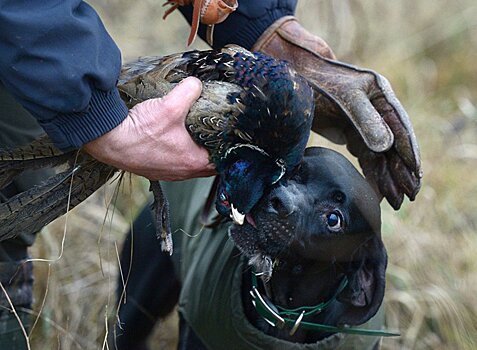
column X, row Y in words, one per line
column 313, row 239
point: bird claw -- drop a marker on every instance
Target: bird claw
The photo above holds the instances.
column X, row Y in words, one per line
column 161, row 205
column 166, row 243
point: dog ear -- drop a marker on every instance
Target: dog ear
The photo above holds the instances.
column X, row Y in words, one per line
column 366, row 282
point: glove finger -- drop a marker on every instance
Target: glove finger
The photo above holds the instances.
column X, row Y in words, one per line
column 376, row 170
column 387, row 185
column 402, row 142
column 403, row 157
column 406, row 180
column 397, row 119
column 371, row 126
column 390, row 176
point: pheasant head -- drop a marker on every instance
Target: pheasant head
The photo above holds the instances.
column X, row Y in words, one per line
column 247, row 172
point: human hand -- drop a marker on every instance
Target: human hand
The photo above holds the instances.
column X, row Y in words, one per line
column 361, row 105
column 153, row 142
column 353, row 106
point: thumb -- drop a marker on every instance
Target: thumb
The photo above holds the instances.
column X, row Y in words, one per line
column 183, row 96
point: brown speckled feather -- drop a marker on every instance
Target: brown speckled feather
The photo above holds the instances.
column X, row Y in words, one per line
column 149, row 77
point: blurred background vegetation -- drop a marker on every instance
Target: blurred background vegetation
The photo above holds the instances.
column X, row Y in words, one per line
column 428, row 50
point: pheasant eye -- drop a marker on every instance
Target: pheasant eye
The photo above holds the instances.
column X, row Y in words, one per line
column 224, row 199
column 334, row 221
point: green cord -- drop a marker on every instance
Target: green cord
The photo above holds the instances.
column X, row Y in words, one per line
column 272, row 315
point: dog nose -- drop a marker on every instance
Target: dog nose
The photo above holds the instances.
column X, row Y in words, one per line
column 280, row 204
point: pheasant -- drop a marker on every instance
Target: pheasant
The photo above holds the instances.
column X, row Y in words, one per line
column 254, row 117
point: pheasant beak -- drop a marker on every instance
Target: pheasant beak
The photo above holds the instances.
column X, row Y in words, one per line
column 237, row 216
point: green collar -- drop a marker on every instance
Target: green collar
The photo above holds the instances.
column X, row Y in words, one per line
column 278, row 316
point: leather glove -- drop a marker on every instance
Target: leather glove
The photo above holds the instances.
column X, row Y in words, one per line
column 354, row 106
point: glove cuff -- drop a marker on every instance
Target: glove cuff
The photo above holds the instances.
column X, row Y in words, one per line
column 287, row 34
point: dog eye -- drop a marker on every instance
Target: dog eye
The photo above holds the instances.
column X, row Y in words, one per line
column 334, row 220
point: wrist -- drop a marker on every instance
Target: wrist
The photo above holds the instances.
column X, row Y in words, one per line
column 120, row 147
column 105, row 111
column 286, row 36
column 245, row 25
column 105, row 147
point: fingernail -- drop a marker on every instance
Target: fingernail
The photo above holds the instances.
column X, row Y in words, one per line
column 190, row 80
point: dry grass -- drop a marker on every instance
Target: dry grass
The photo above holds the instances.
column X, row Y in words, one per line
column 428, row 50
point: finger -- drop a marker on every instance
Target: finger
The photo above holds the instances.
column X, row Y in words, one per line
column 387, row 185
column 376, row 170
column 403, row 138
column 395, row 115
column 370, row 124
column 183, row 96
column 209, row 170
column 403, row 176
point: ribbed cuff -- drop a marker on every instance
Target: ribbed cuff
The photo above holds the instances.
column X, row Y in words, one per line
column 248, row 34
column 105, row 111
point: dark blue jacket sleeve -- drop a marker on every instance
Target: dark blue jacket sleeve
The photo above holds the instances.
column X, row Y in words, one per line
column 59, row 62
column 244, row 26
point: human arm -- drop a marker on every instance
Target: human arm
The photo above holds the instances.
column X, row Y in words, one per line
column 61, row 64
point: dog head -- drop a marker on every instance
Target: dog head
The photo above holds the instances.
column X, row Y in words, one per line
column 326, row 218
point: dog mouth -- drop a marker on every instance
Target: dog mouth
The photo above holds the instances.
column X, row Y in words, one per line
column 263, row 240
column 263, row 235
column 266, row 239
column 249, row 218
